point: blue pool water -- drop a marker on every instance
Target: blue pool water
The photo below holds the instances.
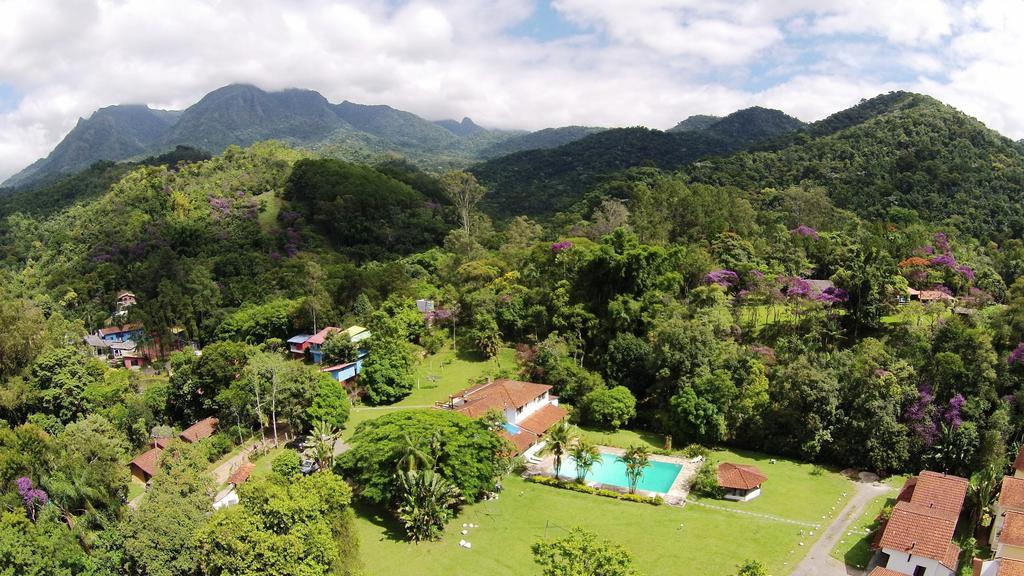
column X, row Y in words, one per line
column 657, row 477
column 511, row 428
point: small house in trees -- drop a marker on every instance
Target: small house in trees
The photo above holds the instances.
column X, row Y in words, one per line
column 529, row 409
column 314, row 344
column 145, row 465
column 200, row 430
column 298, row 344
column 123, row 302
column 741, row 482
column 917, row 539
column 345, row 372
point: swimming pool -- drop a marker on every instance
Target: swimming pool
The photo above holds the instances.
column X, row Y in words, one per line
column 511, row 428
column 658, row 476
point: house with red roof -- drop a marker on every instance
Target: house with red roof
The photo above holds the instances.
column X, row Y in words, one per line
column 1007, row 536
column 741, row 482
column 917, row 539
column 145, row 465
column 529, row 409
column 202, row 429
column 302, row 344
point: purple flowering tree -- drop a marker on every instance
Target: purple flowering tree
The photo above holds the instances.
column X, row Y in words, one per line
column 805, row 232
column 561, row 246
column 723, row 278
column 918, row 417
column 952, row 416
column 1016, row 358
column 32, row 498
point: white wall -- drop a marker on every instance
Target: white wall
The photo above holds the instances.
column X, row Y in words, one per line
column 531, row 407
column 899, row 562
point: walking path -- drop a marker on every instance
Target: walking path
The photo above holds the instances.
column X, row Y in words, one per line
column 755, row 514
column 818, row 562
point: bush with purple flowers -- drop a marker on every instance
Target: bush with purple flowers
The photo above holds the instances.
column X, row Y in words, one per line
column 723, row 278
column 805, row 231
column 32, row 498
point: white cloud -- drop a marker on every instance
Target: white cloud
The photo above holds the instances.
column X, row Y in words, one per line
column 649, row 62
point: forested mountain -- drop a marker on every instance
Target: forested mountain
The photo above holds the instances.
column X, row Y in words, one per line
column 539, row 182
column 900, row 156
column 111, row 133
column 695, row 122
column 243, row 114
column 539, row 140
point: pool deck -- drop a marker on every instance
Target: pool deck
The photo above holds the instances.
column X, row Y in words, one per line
column 675, row 496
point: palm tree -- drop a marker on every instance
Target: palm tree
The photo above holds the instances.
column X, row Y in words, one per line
column 636, row 459
column 326, row 439
column 427, row 503
column 585, row 455
column 411, row 456
column 560, row 438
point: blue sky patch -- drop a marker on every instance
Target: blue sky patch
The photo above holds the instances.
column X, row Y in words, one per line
column 544, row 24
column 10, row 97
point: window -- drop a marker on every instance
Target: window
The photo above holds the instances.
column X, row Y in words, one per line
column 919, row 570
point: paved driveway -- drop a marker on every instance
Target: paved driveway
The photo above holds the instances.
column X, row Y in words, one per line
column 818, row 562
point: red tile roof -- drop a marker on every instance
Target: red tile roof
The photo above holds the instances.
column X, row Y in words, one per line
column 148, row 461
column 1018, row 464
column 739, row 476
column 521, row 441
column 162, row 442
column 119, row 329
column 920, row 530
column 498, row 395
column 924, row 518
column 1012, row 532
column 202, row 429
column 322, row 335
column 544, row 418
column 879, row 571
column 1011, row 495
column 942, row 491
column 1010, row 567
column 242, row 474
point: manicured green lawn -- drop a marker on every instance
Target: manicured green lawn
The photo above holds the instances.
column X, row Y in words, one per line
column 854, row 548
column 624, row 438
column 264, row 463
column 794, row 490
column 664, row 540
column 437, row 377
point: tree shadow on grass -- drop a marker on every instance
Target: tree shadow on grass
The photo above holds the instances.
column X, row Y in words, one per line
column 379, row 516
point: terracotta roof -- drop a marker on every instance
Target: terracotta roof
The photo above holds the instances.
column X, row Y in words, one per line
column 148, row 461
column 879, row 571
column 544, row 418
column 1018, row 464
column 739, row 476
column 162, row 442
column 498, row 395
column 1011, row 495
column 202, row 429
column 1010, row 567
column 907, row 491
column 1012, row 532
column 934, row 295
column 119, row 329
column 942, row 491
column 921, row 530
column 521, row 441
column 242, row 474
column 322, row 335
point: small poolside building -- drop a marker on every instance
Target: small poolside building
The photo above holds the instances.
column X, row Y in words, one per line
column 741, row 482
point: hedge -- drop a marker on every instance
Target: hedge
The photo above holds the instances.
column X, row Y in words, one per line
column 577, row 487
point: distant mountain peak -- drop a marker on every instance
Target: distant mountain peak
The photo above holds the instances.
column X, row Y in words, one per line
column 462, row 129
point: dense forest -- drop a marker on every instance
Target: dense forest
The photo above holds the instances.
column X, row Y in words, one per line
column 743, row 282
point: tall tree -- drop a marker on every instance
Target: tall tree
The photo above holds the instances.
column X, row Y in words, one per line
column 582, row 553
column 464, row 192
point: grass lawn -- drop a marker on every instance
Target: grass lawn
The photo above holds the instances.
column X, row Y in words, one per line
column 794, row 490
column 624, row 438
column 135, row 489
column 854, row 548
column 437, row 377
column 264, row 463
column 663, row 540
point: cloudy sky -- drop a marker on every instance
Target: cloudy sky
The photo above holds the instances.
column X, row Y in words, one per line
column 506, row 63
